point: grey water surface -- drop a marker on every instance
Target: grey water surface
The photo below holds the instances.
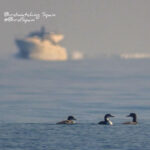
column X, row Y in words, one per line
column 34, row 95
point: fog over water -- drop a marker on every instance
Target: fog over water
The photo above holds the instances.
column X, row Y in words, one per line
column 95, row 28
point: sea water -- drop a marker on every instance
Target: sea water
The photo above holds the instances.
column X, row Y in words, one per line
column 34, row 95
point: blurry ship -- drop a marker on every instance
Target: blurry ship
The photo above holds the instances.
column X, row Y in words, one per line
column 43, row 46
column 76, row 55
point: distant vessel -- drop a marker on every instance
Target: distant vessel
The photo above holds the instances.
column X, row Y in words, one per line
column 135, row 55
column 43, row 46
column 76, row 55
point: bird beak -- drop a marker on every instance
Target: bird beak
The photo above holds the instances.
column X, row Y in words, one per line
column 74, row 119
column 112, row 116
column 128, row 116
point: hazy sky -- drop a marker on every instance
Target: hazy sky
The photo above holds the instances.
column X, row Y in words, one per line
column 92, row 26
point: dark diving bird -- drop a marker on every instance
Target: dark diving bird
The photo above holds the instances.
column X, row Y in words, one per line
column 134, row 119
column 70, row 120
column 106, row 120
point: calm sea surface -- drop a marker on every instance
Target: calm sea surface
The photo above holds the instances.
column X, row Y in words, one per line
column 34, row 95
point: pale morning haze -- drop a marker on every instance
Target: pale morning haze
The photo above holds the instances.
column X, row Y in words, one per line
column 94, row 27
column 74, row 74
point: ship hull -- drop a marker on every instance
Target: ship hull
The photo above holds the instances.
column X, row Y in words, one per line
column 42, row 50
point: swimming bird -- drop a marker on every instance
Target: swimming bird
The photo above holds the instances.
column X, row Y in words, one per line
column 106, row 120
column 70, row 120
column 134, row 119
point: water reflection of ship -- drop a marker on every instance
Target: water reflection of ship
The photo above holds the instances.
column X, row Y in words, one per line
column 42, row 45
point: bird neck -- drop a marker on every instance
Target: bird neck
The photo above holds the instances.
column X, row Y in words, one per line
column 106, row 119
column 134, row 119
